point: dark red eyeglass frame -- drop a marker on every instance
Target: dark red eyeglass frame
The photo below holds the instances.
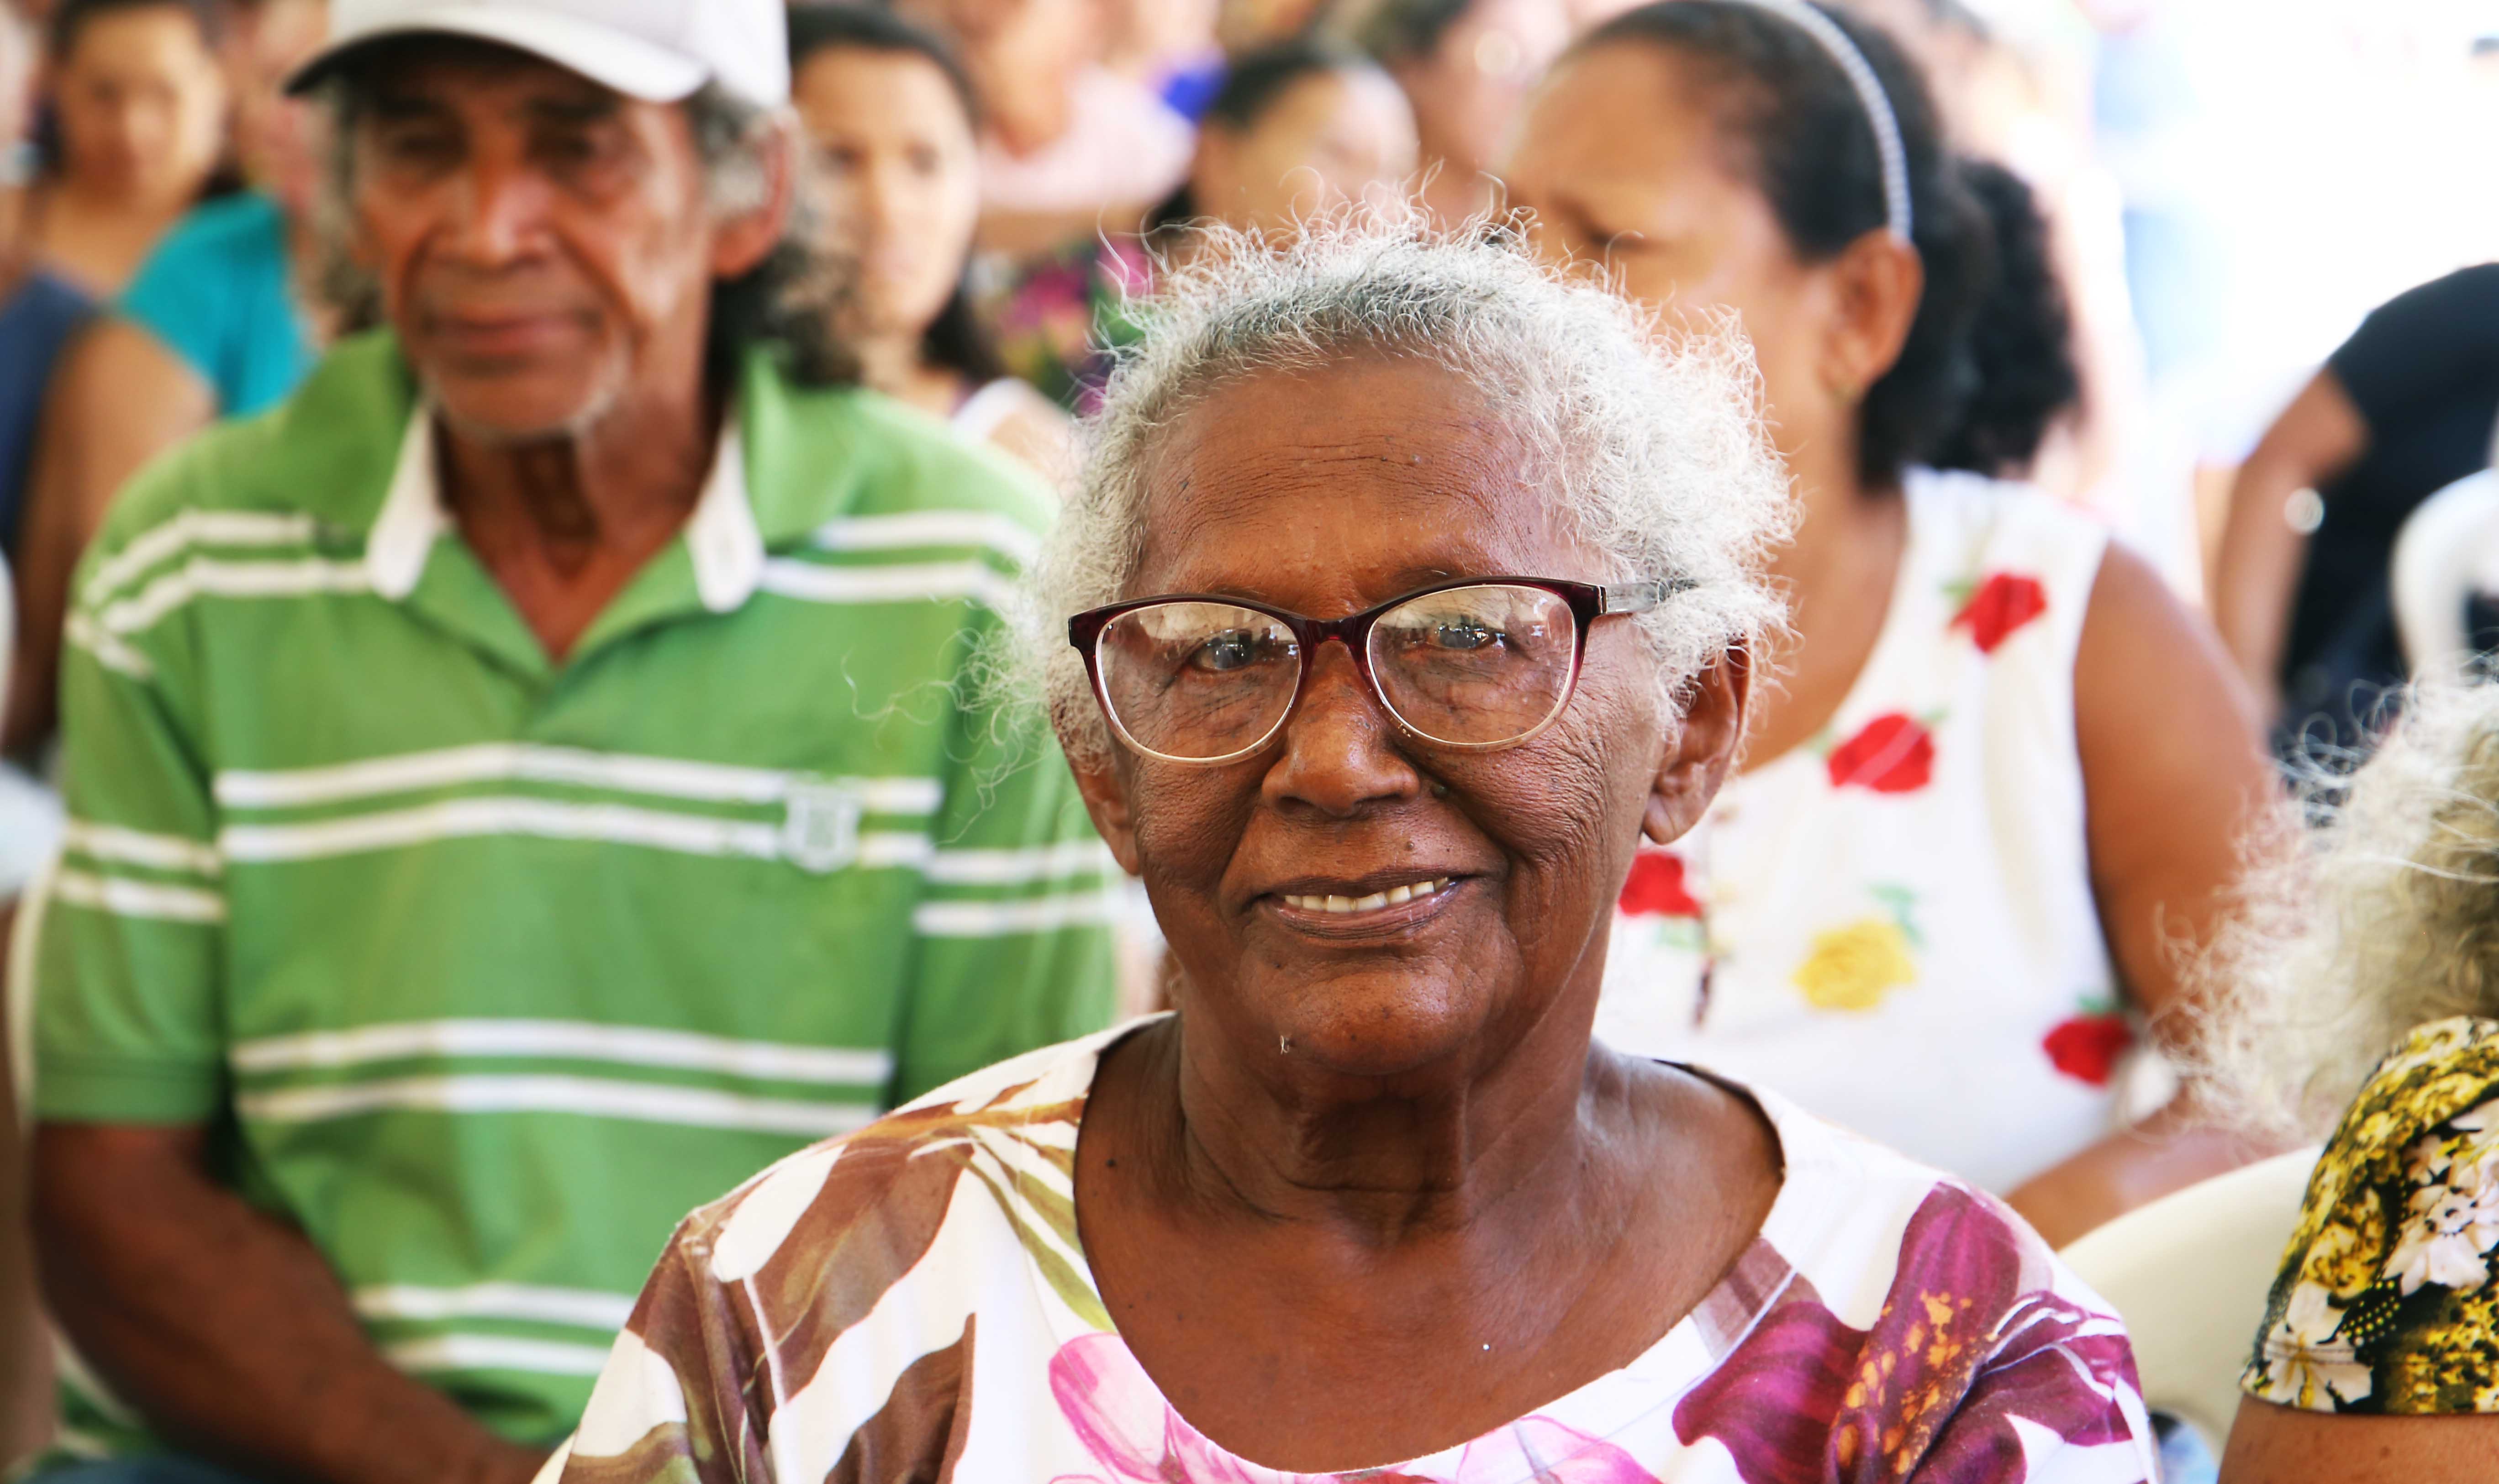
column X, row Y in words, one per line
column 1588, row 601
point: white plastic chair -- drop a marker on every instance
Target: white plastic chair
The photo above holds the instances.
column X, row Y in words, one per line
column 2447, row 553
column 2190, row 1274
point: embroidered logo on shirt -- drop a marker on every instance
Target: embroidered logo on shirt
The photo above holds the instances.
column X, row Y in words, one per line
column 820, row 831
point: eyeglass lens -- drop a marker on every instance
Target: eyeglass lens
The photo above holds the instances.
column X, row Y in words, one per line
column 1474, row 666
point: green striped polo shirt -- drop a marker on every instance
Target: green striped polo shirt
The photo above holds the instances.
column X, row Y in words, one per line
column 487, row 968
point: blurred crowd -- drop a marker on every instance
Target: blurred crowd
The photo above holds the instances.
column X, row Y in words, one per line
column 503, row 739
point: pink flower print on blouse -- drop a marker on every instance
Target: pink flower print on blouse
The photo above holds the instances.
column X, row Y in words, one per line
column 1929, row 1393
column 1999, row 607
column 1123, row 1421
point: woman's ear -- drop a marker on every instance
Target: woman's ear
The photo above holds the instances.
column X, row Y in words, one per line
column 1703, row 752
column 1100, row 781
column 1879, row 281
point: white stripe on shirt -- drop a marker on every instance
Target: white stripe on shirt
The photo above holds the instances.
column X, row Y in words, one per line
column 987, row 529
column 626, row 1045
column 935, row 581
column 1000, row 920
column 196, row 528
column 117, row 846
column 580, row 1307
column 514, row 762
column 138, row 898
column 494, row 1352
column 589, row 1096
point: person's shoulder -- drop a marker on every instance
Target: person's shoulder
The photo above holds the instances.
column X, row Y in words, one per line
column 2388, row 1279
column 245, row 222
column 1855, row 1216
column 1024, row 1112
column 1966, row 506
column 336, row 434
column 2444, row 1072
column 1937, row 1307
column 889, row 459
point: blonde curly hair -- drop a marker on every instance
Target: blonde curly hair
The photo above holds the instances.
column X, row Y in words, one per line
column 2388, row 922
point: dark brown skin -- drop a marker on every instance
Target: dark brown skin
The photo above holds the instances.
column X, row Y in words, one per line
column 2273, row 1445
column 1621, row 158
column 1374, row 1192
column 546, row 255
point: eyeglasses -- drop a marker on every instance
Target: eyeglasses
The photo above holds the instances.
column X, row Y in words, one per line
column 1478, row 664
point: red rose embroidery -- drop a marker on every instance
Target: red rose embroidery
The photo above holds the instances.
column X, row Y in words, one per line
column 1892, row 754
column 2000, row 607
column 1656, row 888
column 2086, row 1048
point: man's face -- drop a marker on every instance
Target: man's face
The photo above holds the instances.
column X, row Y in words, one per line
column 543, row 244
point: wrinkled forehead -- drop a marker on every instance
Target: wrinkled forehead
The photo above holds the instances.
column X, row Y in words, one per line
column 1354, row 481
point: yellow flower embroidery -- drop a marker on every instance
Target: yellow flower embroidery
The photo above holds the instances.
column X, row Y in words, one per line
column 1853, row 967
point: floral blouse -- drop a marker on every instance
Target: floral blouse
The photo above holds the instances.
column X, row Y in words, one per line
column 2388, row 1301
column 913, row 1303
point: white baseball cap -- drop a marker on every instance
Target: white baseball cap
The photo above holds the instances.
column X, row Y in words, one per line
column 659, row 51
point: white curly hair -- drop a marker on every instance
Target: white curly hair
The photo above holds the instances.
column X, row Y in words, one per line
column 2388, row 922
column 1649, row 444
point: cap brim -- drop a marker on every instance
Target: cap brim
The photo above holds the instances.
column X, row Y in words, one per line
column 606, row 57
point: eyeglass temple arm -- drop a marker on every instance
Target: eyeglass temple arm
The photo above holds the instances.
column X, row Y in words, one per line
column 1641, row 597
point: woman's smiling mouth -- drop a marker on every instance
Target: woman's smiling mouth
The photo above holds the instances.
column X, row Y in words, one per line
column 1392, row 897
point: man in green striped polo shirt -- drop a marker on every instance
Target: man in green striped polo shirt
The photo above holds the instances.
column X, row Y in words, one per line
column 519, row 788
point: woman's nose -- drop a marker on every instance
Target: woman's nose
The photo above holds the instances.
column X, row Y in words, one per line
column 1340, row 750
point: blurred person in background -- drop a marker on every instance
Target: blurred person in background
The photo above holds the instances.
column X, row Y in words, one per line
column 895, row 126
column 1244, row 26
column 1070, row 147
column 1467, row 66
column 219, row 322
column 2404, row 407
column 1170, row 45
column 136, row 128
column 1073, row 156
column 2365, row 1009
column 1299, row 130
column 2004, row 771
column 518, row 786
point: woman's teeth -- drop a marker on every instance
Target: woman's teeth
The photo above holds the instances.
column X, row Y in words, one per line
column 1372, row 903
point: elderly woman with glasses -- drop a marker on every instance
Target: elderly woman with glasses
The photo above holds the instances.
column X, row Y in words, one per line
column 1409, row 588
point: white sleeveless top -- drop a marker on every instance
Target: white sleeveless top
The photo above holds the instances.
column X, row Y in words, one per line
column 1893, row 923
column 988, row 408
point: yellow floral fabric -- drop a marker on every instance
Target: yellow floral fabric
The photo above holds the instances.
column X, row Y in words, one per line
column 1853, row 967
column 2388, row 1301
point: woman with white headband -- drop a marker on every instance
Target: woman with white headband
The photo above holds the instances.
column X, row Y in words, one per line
column 2003, row 773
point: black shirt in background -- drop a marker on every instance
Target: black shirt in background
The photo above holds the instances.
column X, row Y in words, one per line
column 2423, row 372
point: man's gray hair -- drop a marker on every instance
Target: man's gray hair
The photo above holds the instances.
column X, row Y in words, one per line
column 792, row 299
column 1650, row 444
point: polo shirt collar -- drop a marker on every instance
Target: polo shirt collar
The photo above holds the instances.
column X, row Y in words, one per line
column 723, row 542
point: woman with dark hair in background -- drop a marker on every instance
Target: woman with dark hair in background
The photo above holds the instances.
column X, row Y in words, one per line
column 896, row 128
column 138, row 109
column 1466, row 67
column 2005, row 770
column 1297, row 130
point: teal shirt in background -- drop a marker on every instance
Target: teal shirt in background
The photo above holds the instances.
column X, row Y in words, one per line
column 219, row 292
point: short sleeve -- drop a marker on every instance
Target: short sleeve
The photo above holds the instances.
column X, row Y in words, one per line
column 128, row 1024
column 2388, row 1301
column 2421, row 348
column 166, row 299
